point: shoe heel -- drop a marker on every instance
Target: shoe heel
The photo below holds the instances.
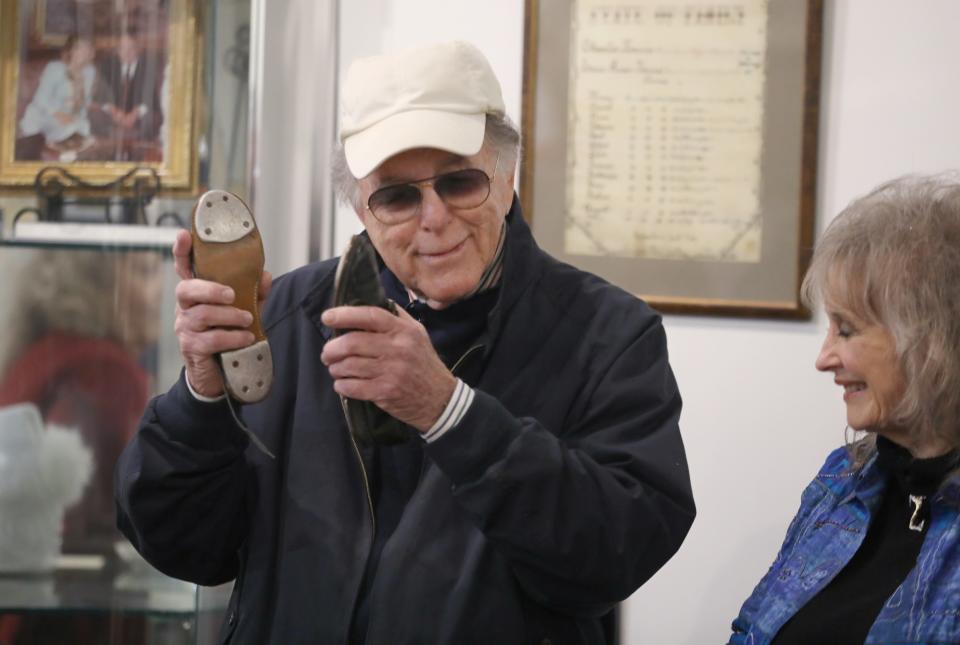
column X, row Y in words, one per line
column 248, row 372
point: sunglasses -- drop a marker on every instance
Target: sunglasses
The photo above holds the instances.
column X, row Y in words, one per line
column 461, row 189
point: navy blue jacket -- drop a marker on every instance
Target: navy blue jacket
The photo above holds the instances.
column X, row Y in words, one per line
column 563, row 489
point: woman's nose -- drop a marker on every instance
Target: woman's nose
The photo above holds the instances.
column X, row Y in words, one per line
column 827, row 358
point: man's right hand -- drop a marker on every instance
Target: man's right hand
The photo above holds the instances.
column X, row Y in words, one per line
column 206, row 323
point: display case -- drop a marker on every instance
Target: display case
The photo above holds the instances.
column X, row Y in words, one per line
column 88, row 292
column 88, row 340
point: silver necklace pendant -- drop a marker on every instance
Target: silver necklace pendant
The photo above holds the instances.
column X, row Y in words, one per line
column 916, row 524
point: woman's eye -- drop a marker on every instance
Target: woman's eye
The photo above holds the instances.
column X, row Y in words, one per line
column 845, row 331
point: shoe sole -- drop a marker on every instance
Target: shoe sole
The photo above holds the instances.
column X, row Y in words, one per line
column 227, row 249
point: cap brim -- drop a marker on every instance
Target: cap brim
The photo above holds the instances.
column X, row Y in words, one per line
column 460, row 134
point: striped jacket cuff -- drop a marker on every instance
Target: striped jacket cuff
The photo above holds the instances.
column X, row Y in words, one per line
column 456, row 409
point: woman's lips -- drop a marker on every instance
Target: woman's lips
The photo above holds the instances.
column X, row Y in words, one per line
column 850, row 390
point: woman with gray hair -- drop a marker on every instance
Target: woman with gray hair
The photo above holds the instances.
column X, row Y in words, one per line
column 873, row 555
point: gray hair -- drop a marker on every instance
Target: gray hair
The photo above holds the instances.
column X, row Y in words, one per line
column 892, row 257
column 500, row 133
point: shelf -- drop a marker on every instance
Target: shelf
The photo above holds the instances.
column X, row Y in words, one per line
column 86, row 591
column 92, row 236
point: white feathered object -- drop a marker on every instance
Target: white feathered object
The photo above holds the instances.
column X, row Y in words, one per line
column 43, row 470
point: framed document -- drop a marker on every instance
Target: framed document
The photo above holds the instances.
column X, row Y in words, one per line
column 671, row 146
column 99, row 87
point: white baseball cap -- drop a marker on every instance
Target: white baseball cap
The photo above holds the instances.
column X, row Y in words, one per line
column 436, row 96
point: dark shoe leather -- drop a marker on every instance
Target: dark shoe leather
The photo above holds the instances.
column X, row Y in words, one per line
column 227, row 249
column 357, row 283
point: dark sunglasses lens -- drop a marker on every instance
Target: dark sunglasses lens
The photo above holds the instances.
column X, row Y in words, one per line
column 464, row 188
column 395, row 201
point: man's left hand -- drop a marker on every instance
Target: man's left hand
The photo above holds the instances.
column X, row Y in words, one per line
column 388, row 360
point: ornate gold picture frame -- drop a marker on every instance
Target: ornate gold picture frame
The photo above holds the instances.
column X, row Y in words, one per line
column 100, row 87
column 670, row 146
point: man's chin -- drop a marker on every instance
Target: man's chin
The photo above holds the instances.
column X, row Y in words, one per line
column 443, row 297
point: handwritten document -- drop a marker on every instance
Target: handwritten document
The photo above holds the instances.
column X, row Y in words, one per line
column 664, row 129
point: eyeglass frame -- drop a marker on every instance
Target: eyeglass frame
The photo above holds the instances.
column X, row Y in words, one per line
column 429, row 181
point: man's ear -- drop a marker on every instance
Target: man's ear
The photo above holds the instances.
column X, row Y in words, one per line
column 511, row 177
column 511, row 165
column 359, row 205
column 361, row 213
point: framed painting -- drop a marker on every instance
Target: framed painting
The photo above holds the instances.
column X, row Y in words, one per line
column 99, row 88
column 670, row 146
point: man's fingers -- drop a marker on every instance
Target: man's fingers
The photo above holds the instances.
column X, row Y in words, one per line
column 181, row 255
column 356, row 343
column 373, row 319
column 195, row 291
column 353, row 388
column 356, row 367
column 214, row 341
column 203, row 317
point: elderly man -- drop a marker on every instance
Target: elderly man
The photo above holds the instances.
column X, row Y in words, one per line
column 130, row 95
column 544, row 479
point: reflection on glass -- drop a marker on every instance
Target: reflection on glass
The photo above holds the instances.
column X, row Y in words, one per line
column 43, row 470
column 82, row 331
column 88, row 333
column 79, row 362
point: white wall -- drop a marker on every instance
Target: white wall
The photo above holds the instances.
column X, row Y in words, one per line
column 758, row 419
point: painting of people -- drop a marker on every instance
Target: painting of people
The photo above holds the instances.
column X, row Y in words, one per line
column 106, row 84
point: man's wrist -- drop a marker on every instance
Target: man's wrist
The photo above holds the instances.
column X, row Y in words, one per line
column 201, row 397
column 453, row 413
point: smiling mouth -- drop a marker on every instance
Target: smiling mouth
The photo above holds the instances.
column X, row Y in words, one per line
column 442, row 254
column 851, row 390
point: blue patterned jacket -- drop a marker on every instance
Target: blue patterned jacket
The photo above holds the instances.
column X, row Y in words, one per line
column 832, row 521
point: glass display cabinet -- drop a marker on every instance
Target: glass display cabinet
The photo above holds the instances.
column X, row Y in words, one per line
column 114, row 116
column 89, row 339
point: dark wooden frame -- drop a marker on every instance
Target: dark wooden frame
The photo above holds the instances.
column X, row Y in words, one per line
column 805, row 212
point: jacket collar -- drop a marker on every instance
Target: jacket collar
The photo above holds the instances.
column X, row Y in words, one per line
column 866, row 484
column 522, row 267
column 869, row 483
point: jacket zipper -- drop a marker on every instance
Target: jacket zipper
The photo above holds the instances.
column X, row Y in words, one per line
column 363, row 468
column 453, row 370
column 373, row 516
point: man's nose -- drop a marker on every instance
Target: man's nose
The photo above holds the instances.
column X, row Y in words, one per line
column 434, row 213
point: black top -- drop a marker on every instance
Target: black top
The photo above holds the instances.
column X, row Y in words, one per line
column 846, row 608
